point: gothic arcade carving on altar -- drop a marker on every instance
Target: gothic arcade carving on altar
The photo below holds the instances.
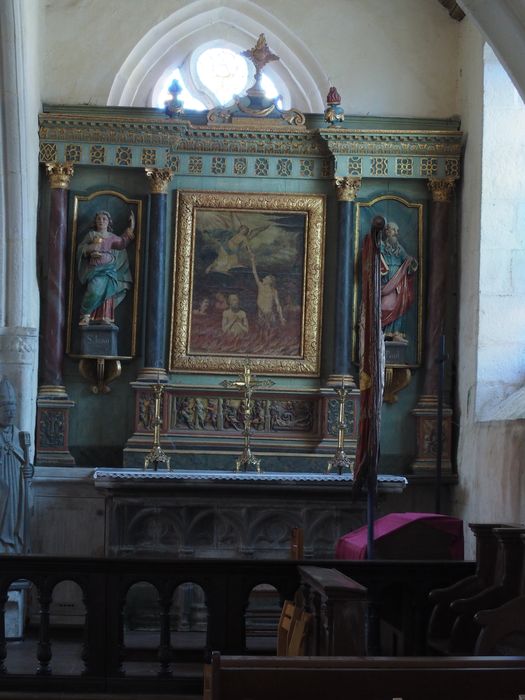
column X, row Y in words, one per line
column 104, row 275
column 401, row 275
column 248, row 283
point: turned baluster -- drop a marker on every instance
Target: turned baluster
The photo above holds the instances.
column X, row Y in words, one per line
column 3, row 647
column 44, row 652
column 165, row 646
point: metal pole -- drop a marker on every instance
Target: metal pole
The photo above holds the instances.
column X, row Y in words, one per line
column 439, row 431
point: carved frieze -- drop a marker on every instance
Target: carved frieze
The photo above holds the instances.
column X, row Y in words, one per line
column 229, row 526
column 200, row 413
column 286, row 149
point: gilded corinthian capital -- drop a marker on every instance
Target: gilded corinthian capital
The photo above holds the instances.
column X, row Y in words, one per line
column 441, row 188
column 346, row 188
column 160, row 178
column 59, row 175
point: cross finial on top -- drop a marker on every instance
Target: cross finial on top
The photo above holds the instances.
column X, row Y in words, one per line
column 260, row 55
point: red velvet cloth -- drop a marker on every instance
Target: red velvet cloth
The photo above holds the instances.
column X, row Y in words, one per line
column 353, row 545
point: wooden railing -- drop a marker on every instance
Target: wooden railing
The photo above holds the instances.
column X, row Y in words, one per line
column 227, row 584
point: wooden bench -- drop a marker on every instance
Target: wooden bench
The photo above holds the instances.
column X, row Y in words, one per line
column 338, row 606
column 455, row 631
column 364, row 678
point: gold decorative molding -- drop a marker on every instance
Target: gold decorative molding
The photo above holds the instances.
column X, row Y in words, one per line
column 441, row 188
column 152, row 374
column 99, row 372
column 50, row 391
column 336, row 379
column 396, row 379
column 280, row 138
column 160, row 178
column 307, row 360
column 346, row 188
column 59, row 175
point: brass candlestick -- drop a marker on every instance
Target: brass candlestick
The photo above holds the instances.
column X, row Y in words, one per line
column 340, row 460
column 247, row 384
column 156, row 456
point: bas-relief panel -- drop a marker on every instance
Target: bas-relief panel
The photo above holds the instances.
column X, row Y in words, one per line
column 233, row 527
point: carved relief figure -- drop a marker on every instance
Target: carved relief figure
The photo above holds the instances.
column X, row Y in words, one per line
column 103, row 267
column 397, row 284
column 15, row 469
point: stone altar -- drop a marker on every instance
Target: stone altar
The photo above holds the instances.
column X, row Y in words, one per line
column 223, row 514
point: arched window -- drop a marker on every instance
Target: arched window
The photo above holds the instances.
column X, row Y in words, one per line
column 197, row 26
column 212, row 76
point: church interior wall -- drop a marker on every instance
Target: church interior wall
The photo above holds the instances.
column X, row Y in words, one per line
column 490, row 453
column 387, row 59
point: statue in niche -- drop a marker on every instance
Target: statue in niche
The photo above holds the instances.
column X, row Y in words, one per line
column 103, row 267
column 397, row 284
column 15, row 471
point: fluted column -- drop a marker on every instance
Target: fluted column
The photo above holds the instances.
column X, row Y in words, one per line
column 438, row 281
column 346, row 192
column 155, row 346
column 53, row 404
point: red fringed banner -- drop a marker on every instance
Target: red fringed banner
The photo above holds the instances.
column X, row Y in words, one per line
column 371, row 360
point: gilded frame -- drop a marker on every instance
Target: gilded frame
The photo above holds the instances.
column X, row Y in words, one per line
column 225, row 241
column 409, row 216
column 119, row 206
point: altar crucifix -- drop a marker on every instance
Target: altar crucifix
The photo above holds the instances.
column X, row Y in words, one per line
column 247, row 383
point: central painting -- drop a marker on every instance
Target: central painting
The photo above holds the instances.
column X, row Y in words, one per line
column 248, row 283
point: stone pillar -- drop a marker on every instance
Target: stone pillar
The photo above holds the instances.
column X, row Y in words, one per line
column 19, row 300
column 426, row 409
column 155, row 344
column 53, row 404
column 346, row 192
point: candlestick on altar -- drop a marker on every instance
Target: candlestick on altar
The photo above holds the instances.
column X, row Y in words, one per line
column 156, row 457
column 247, row 383
column 340, row 460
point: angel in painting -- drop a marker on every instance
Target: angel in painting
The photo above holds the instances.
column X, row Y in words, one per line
column 230, row 252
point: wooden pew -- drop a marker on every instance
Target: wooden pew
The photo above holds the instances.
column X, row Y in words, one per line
column 488, row 569
column 338, row 605
column 503, row 628
column 453, row 628
column 364, row 678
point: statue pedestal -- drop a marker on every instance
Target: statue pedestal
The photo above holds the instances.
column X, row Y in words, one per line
column 395, row 352
column 99, row 340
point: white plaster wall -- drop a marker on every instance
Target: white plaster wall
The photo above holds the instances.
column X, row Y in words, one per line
column 386, row 58
column 501, row 350
column 491, row 461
